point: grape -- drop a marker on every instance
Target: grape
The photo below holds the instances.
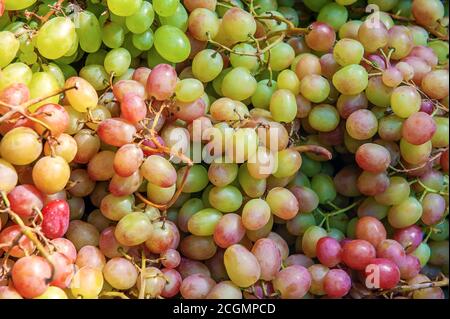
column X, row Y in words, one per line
column 239, row 89
column 255, row 214
column 405, row 101
column 345, row 181
column 323, row 186
column 30, row 276
column 406, row 213
column 203, row 24
column 222, row 174
column 397, row 192
column 87, row 283
column 269, row 258
column 238, row 24
column 306, row 197
column 348, row 51
column 189, row 90
column 351, row 79
column 337, row 283
column 321, row 37
column 17, row 140
column 328, row 251
column 82, row 234
column 24, row 246
column 293, row 276
column 372, row 184
column 373, row 158
column 51, row 174
column 310, row 239
column 10, row 47
column 57, row 30
column 120, row 273
column 324, row 118
column 315, row 88
column 242, row 266
column 282, row 203
column 370, row 229
column 24, row 199
column 433, row 208
column 171, row 43
column 283, row 106
column 434, row 84
column 225, row 290
column 207, row 65
column 333, row 14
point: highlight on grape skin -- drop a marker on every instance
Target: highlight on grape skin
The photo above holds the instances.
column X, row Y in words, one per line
column 235, row 149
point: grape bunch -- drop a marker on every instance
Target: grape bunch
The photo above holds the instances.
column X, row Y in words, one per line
column 224, row 149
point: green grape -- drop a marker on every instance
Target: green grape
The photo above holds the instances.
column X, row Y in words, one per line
column 246, row 59
column 89, row 31
column 350, row 29
column 56, row 37
column 189, row 90
column 420, row 35
column 310, row 238
column 324, row 118
column 289, row 162
column 117, row 61
column 18, row 4
column 415, row 154
column 263, row 94
column 310, row 168
column 405, row 214
column 29, row 58
column 238, row 25
column 129, row 46
column 153, row 58
column 56, row 71
column 218, row 81
column 67, row 70
column 283, row 106
column 440, row 48
column 165, row 8
column 378, row 93
column 43, row 84
column 124, row 8
column 348, row 51
column 287, row 79
column 423, row 253
column 196, row 180
column 142, row 20
column 226, row 199
column 172, row 44
column 74, row 48
column 143, row 41
column 207, row 65
column 281, row 56
column 15, row 73
column 96, row 57
column 441, row 136
column 315, row 88
column 9, row 48
column 300, row 223
column 440, row 232
column 323, row 186
column 239, row 84
column 316, row 5
column 351, row 80
column 397, row 191
column 251, row 186
column 334, row 15
column 290, row 14
column 204, row 222
column 113, row 35
column 179, row 19
column 405, row 101
column 96, row 75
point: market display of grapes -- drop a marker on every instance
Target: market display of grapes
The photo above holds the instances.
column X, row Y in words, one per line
column 228, row 149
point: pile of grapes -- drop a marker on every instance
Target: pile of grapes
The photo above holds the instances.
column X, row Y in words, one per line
column 224, row 149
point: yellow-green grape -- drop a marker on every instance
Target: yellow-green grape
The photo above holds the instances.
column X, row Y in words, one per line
column 9, row 48
column 83, row 96
column 244, row 55
column 423, row 253
column 89, row 31
column 43, row 84
column 262, row 164
column 189, row 90
column 56, row 37
column 239, row 84
column 238, row 25
column 15, row 73
column 133, row 229
column 124, row 8
column 196, row 180
column 51, row 174
column 142, row 19
column 172, row 43
column 53, row 293
column 348, row 51
column 165, row 8
column 263, row 94
column 160, row 195
column 96, row 75
column 203, row 24
column 324, row 118
column 179, row 19
column 73, row 51
column 405, row 101
column 245, row 143
column 315, row 88
column 289, row 162
column 271, row 24
column 251, row 186
column 397, row 191
column 405, row 214
column 113, row 35
column 441, row 136
column 117, row 61
column 56, row 71
column 226, row 199
column 242, row 266
column 204, row 222
column 350, row 29
column 310, row 238
column 351, row 80
column 143, row 41
column 415, row 154
column 18, row 4
column 281, row 56
column 87, row 283
column 283, row 106
column 207, row 65
column 20, row 146
column 288, row 80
